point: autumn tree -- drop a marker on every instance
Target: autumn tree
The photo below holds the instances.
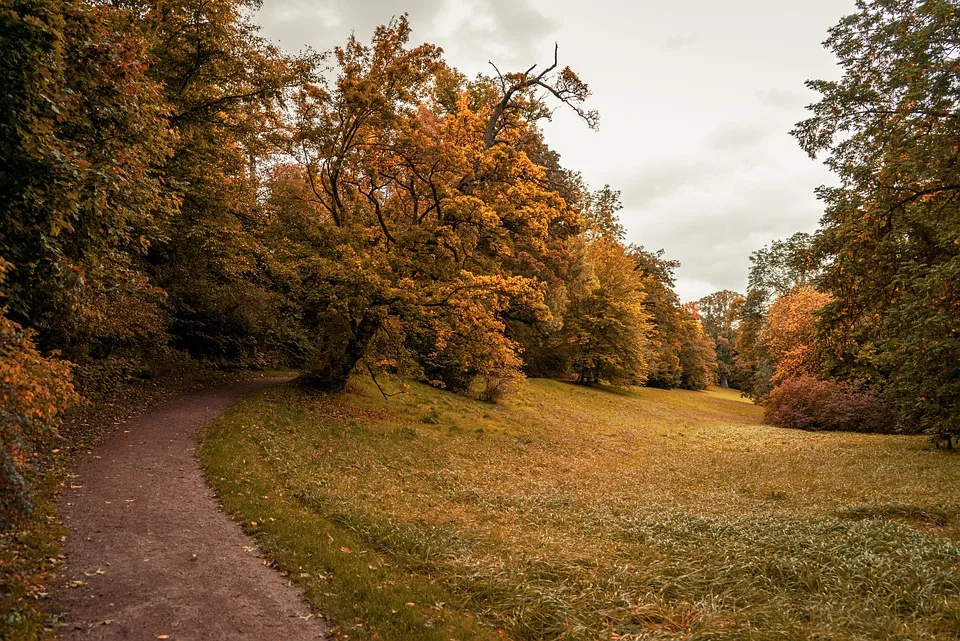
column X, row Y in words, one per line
column 430, row 217
column 698, row 358
column 889, row 129
column 679, row 354
column 83, row 131
column 599, row 210
column 775, row 270
column 790, row 332
column 605, row 323
column 720, row 315
column 752, row 364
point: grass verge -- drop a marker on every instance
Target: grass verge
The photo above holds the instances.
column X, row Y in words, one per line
column 576, row 513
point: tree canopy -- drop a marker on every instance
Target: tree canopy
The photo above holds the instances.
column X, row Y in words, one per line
column 889, row 130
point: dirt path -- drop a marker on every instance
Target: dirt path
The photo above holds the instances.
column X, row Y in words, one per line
column 156, row 556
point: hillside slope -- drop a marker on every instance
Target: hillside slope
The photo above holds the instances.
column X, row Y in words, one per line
column 581, row 513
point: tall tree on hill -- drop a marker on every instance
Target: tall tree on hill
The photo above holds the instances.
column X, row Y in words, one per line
column 890, row 128
column 431, row 217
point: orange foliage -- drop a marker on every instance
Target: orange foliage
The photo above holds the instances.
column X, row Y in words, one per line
column 34, row 390
column 790, row 332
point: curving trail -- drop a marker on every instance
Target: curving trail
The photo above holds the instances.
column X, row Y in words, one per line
column 150, row 553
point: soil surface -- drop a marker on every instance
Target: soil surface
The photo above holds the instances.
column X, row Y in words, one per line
column 151, row 555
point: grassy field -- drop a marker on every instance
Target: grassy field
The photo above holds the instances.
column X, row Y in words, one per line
column 577, row 513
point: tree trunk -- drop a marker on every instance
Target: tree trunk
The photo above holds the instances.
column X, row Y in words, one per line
column 334, row 372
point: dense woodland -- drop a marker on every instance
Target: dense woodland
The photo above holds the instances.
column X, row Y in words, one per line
column 175, row 188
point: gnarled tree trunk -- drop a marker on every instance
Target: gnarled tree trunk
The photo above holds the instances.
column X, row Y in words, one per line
column 333, row 370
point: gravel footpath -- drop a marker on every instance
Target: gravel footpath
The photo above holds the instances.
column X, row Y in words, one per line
column 151, row 555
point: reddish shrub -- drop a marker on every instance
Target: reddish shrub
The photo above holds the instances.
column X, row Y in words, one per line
column 809, row 403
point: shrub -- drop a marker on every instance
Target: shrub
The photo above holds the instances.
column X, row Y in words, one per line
column 808, row 403
column 500, row 383
column 33, row 392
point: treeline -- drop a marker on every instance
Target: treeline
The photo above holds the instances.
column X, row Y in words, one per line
column 175, row 187
column 858, row 326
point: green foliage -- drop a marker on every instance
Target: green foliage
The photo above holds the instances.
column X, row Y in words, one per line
column 889, row 128
column 784, row 264
column 82, row 132
column 224, row 86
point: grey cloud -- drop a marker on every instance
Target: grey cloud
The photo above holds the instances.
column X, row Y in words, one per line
column 738, row 136
column 712, row 220
column 680, row 41
column 782, row 98
column 327, row 23
column 661, row 180
column 504, row 30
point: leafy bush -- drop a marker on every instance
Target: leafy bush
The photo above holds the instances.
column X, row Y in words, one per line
column 500, row 383
column 33, row 392
column 808, row 403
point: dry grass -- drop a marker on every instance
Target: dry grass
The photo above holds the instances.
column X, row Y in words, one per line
column 577, row 513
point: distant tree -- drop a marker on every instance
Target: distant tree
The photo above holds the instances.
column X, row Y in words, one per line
column 783, row 265
column 790, row 332
column 605, row 325
column 679, row 354
column 720, row 315
column 890, row 130
column 698, row 359
column 752, row 364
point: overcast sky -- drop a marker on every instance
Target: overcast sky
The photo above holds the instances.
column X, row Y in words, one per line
column 695, row 97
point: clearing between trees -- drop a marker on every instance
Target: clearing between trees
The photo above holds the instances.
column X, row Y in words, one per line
column 571, row 512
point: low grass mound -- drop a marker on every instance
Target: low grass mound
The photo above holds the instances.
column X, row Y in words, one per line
column 583, row 513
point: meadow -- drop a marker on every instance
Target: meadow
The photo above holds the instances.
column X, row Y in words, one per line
column 569, row 512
